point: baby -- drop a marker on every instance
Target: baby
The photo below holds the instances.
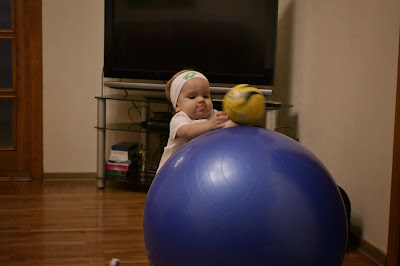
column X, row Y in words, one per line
column 189, row 93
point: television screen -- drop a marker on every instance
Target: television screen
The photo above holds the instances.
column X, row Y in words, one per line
column 230, row 41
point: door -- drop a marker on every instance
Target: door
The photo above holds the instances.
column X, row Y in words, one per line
column 21, row 126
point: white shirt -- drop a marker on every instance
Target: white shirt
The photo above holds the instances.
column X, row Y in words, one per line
column 174, row 144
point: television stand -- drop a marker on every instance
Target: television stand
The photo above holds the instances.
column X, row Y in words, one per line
column 147, row 126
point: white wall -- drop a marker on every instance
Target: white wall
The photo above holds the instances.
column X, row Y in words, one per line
column 72, row 70
column 337, row 63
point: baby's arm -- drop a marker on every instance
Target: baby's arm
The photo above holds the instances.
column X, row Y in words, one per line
column 189, row 132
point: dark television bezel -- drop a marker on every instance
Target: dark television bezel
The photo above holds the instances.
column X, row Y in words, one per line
column 267, row 79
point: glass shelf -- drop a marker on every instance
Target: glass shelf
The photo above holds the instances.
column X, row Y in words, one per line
column 136, row 98
column 147, row 127
column 132, row 127
column 132, row 179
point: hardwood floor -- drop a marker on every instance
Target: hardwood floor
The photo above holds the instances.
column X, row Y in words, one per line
column 74, row 223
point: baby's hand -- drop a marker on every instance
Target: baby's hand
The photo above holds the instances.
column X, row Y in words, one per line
column 230, row 123
column 219, row 120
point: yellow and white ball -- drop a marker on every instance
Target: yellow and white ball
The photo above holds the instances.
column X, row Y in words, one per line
column 244, row 105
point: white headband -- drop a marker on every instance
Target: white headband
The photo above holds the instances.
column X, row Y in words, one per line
column 179, row 81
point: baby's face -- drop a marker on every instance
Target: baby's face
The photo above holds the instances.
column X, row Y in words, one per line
column 195, row 99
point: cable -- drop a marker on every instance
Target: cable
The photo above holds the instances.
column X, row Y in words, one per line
column 130, row 117
column 137, row 108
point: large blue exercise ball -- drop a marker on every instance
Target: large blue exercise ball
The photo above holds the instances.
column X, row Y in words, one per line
column 244, row 196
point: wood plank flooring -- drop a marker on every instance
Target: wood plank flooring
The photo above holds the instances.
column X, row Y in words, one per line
column 74, row 223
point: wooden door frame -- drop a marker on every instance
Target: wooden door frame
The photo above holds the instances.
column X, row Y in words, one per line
column 35, row 81
column 28, row 23
column 392, row 258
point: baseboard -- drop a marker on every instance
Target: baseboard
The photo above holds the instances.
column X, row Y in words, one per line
column 68, row 176
column 369, row 250
column 15, row 178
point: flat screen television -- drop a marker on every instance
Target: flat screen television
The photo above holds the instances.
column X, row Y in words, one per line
column 230, row 41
